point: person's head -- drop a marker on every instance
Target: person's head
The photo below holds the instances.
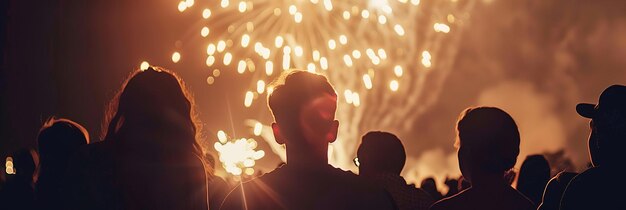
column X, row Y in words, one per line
column 25, row 163
column 58, row 139
column 381, row 152
column 488, row 142
column 608, row 124
column 154, row 104
column 303, row 105
column 533, row 177
column 534, row 167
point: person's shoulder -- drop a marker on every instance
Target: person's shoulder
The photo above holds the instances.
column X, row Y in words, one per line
column 520, row 200
column 446, row 203
column 256, row 189
column 451, row 202
column 587, row 190
column 586, row 180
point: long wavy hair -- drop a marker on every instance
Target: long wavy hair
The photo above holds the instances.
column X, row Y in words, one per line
column 154, row 103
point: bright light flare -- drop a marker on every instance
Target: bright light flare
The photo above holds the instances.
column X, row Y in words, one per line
column 238, row 155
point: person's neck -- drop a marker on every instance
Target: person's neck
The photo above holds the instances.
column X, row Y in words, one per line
column 489, row 181
column 306, row 159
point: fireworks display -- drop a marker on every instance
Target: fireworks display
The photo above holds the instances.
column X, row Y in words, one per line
column 377, row 53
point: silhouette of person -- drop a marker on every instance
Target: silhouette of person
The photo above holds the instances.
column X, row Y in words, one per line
column 591, row 188
column 533, row 177
column 381, row 158
column 58, row 140
column 18, row 192
column 218, row 188
column 554, row 191
column 488, row 144
column 149, row 158
column 430, row 186
column 303, row 105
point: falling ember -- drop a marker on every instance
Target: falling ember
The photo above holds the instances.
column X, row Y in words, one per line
column 210, row 60
column 260, row 86
column 189, row 3
column 347, row 60
column 399, row 30
column 367, row 81
column 182, row 6
column 323, row 63
column 241, row 67
column 245, row 40
column 441, row 27
column 204, row 32
column 206, row 13
column 332, row 44
column 258, row 128
column 348, row 95
column 311, row 68
column 356, row 54
column 175, row 57
column 394, row 85
column 269, row 68
column 221, row 136
column 278, row 42
column 248, row 100
column 397, row 70
column 343, row 39
column 210, row 49
column 426, row 59
column 144, row 65
column 228, row 58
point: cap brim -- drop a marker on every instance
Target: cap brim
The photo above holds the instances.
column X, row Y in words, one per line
column 586, row 110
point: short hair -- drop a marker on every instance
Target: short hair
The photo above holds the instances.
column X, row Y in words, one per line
column 382, row 152
column 492, row 137
column 293, row 90
column 59, row 135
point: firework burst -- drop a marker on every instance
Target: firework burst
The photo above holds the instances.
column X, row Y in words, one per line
column 383, row 57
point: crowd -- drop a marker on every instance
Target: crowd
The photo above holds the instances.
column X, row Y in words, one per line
column 149, row 158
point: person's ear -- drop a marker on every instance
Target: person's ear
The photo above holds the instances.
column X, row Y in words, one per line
column 331, row 136
column 278, row 136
